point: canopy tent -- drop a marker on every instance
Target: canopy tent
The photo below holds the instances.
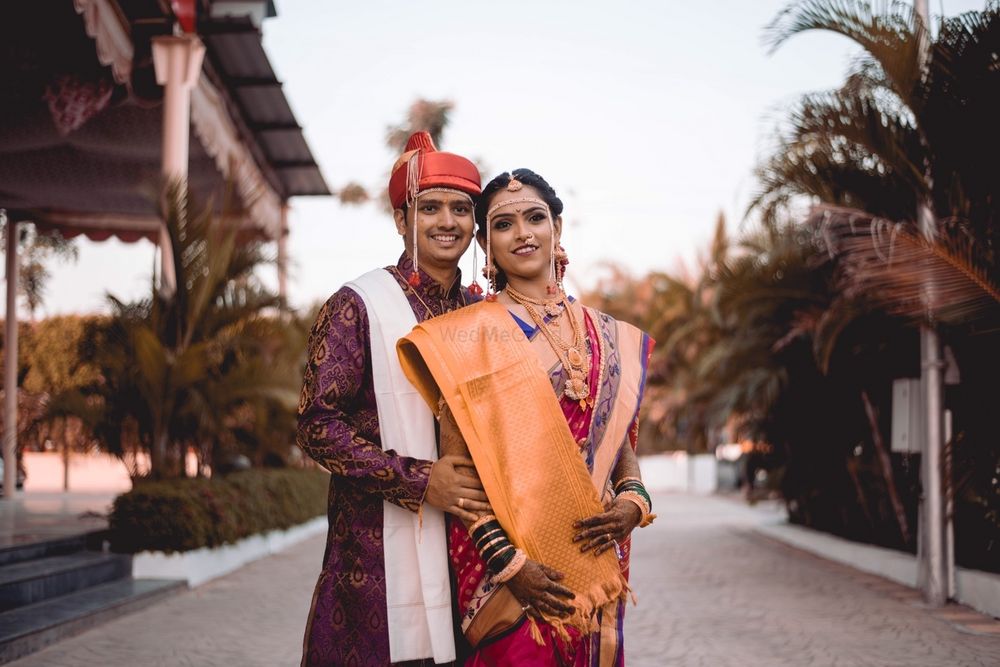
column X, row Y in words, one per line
column 84, row 134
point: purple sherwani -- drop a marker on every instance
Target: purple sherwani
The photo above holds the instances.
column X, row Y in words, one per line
column 338, row 427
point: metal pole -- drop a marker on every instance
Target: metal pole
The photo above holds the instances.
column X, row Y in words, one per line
column 10, row 366
column 949, row 503
column 934, row 568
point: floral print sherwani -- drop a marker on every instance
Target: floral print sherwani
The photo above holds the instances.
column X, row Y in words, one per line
column 338, row 427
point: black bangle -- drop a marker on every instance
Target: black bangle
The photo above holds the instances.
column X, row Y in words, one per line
column 496, row 532
column 498, row 564
column 494, row 549
column 487, row 527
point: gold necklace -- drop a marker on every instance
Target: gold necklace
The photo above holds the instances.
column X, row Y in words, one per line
column 527, row 302
column 550, row 306
column 572, row 356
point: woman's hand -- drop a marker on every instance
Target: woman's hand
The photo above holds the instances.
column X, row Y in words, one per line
column 601, row 531
column 535, row 586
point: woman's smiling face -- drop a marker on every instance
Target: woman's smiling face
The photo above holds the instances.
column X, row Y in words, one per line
column 521, row 233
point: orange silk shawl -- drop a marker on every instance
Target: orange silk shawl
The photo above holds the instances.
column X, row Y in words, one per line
column 479, row 360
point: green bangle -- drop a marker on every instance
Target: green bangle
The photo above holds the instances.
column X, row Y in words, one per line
column 627, row 480
column 631, row 486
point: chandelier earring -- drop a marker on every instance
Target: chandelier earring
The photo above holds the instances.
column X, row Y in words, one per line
column 553, row 287
column 490, row 271
column 562, row 260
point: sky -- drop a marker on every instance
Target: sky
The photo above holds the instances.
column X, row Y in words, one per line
column 646, row 116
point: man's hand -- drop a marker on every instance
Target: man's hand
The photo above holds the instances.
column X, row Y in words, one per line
column 455, row 488
column 601, row 531
column 535, row 586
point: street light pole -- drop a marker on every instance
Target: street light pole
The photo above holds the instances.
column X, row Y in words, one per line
column 933, row 566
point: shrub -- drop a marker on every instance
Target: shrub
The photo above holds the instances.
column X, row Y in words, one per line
column 186, row 514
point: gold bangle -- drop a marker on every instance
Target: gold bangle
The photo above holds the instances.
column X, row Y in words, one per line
column 645, row 510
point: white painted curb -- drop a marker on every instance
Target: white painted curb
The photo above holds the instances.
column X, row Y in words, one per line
column 977, row 589
column 202, row 565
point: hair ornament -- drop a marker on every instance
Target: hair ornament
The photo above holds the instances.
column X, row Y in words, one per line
column 519, row 200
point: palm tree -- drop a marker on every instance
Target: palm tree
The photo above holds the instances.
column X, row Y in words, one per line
column 908, row 125
column 35, row 250
column 204, row 367
column 429, row 116
column 913, row 124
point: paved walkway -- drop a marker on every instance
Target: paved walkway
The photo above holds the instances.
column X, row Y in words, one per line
column 711, row 593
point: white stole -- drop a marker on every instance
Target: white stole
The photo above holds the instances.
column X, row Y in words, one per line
column 418, row 590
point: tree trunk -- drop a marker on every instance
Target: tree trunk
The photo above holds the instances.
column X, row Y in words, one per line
column 65, row 462
column 886, row 463
column 158, row 453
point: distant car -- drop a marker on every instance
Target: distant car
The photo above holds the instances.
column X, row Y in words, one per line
column 21, row 473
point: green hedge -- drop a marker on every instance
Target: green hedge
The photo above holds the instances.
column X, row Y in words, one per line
column 186, row 514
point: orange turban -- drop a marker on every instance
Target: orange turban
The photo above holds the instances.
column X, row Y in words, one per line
column 434, row 169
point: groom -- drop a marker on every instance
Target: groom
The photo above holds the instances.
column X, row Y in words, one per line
column 383, row 595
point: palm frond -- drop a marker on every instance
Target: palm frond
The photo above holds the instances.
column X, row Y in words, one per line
column 860, row 120
column 889, row 30
column 827, row 169
column 896, row 268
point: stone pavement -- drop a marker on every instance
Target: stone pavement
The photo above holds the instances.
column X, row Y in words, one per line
column 714, row 593
column 711, row 593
